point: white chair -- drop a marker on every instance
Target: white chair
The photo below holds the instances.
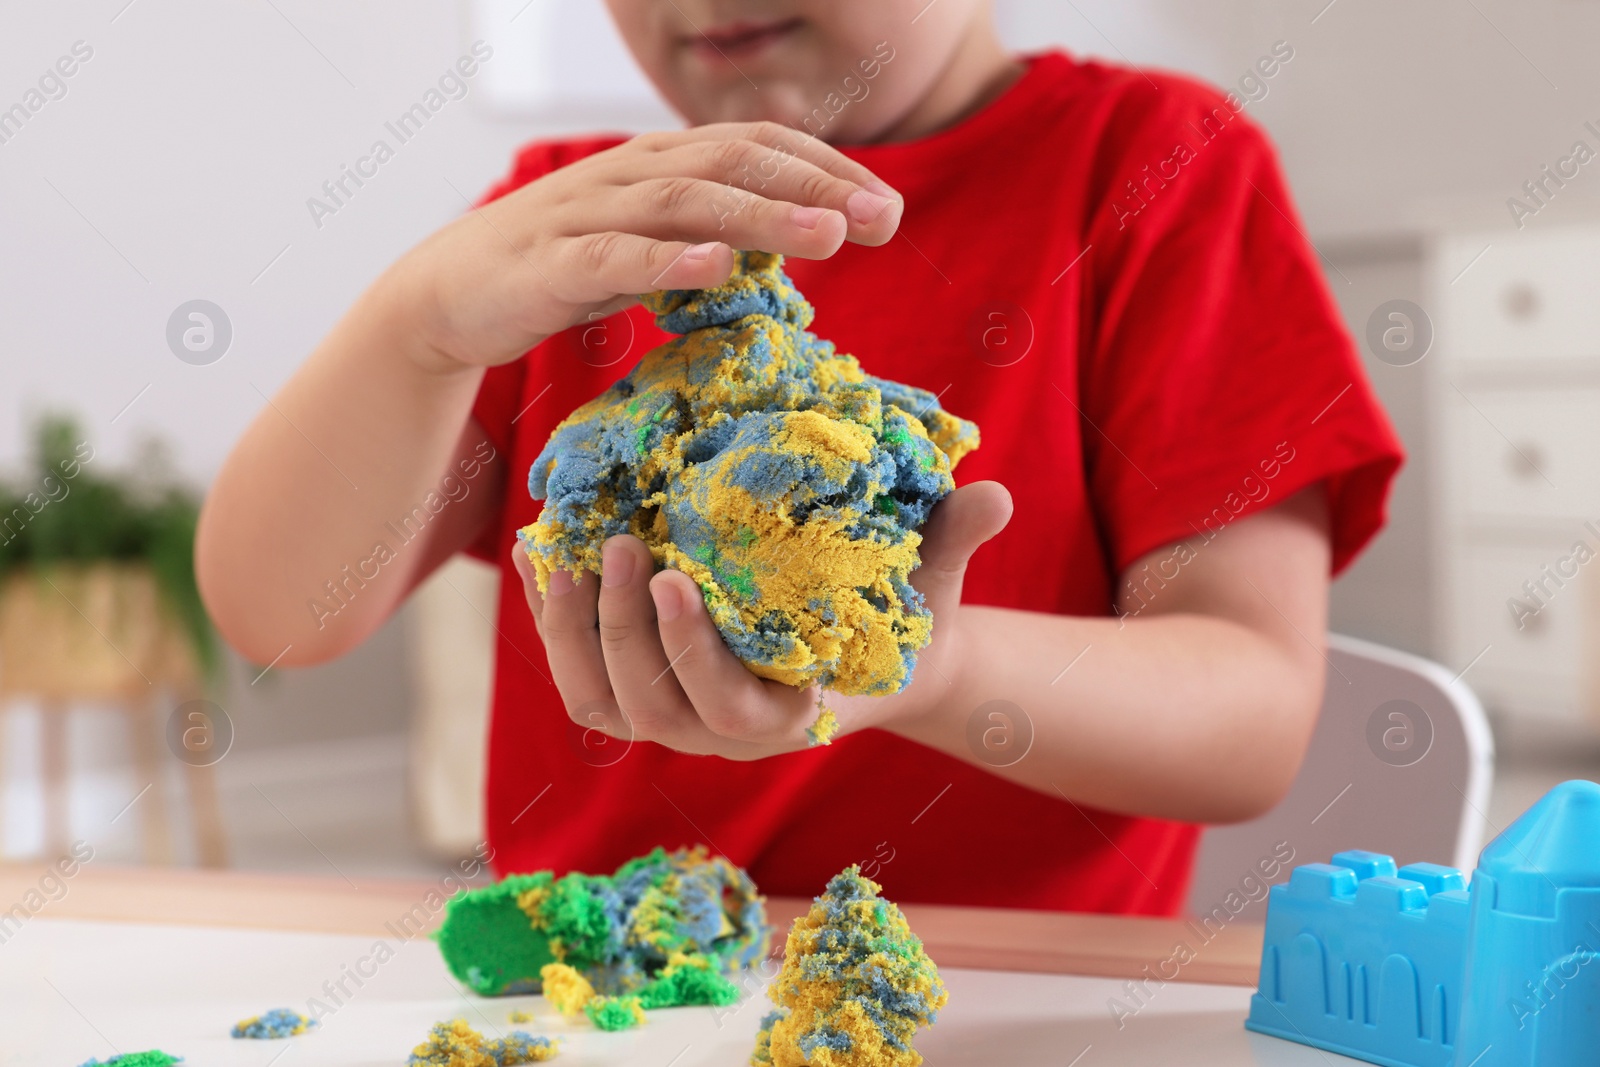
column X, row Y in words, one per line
column 1401, row 763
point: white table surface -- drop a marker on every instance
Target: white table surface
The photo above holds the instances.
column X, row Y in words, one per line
column 71, row 990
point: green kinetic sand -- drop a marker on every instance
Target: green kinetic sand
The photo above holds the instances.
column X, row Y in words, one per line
column 691, row 981
column 615, row 1013
column 640, row 931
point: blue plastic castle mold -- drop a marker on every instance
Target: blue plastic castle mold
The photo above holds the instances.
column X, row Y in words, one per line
column 1411, row 968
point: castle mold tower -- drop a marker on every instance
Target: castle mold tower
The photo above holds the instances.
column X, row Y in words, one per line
column 1533, row 951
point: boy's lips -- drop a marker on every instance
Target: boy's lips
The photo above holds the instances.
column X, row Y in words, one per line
column 734, row 39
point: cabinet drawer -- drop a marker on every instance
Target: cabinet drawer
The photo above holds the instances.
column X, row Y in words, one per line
column 1525, row 453
column 1530, row 296
column 1535, row 658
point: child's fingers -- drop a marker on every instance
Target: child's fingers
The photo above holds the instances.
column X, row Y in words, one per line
column 774, row 139
column 590, row 691
column 871, row 208
column 597, row 266
column 568, row 624
column 692, row 209
column 641, row 676
column 730, row 701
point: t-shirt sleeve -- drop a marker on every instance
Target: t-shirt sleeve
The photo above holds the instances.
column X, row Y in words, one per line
column 1217, row 377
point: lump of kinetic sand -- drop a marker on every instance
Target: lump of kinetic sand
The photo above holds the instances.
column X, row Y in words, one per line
column 633, row 932
column 279, row 1022
column 755, row 458
column 455, row 1044
column 855, row 985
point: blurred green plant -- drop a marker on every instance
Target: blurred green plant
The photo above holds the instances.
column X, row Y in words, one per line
column 62, row 510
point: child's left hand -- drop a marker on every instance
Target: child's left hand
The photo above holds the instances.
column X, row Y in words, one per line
column 646, row 647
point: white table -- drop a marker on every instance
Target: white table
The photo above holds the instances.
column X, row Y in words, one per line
column 136, row 958
column 74, row 989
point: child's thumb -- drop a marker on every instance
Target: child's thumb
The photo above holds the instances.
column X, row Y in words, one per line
column 960, row 523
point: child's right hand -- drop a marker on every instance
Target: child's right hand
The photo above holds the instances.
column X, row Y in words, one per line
column 662, row 211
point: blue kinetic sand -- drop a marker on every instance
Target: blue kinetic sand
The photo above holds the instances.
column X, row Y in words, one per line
column 1411, row 968
column 277, row 1023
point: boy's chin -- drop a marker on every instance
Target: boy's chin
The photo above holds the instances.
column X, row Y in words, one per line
column 784, row 102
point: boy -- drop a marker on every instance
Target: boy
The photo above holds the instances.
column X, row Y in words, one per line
column 1098, row 267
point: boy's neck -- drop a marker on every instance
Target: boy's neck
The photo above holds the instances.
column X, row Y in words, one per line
column 979, row 70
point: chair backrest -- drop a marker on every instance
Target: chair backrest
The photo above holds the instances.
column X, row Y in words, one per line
column 1401, row 763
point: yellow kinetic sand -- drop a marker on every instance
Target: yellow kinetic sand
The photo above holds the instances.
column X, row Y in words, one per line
column 854, row 988
column 755, row 458
column 455, row 1044
column 567, row 991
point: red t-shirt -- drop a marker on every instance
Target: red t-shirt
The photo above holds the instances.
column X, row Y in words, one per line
column 1144, row 337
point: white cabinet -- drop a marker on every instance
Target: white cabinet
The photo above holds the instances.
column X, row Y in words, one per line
column 1526, row 453
column 1532, row 666
column 1531, row 296
column 1514, row 381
